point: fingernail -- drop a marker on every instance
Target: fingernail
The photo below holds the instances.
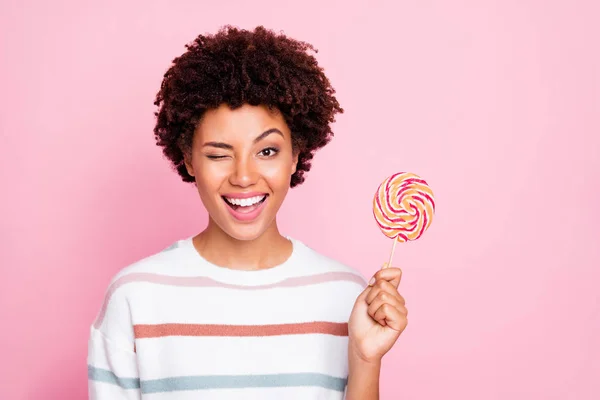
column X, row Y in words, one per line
column 372, row 281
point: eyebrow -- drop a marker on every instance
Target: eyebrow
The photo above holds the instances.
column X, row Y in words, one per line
column 227, row 146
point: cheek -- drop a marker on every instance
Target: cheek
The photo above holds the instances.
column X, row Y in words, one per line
column 278, row 174
column 208, row 176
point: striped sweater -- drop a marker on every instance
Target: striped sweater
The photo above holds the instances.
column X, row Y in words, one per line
column 174, row 326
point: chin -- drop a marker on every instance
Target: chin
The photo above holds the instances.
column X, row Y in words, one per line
column 245, row 233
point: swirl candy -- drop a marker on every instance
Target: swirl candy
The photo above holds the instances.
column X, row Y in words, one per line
column 403, row 207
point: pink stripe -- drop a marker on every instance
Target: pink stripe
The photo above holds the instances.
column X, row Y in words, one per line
column 402, row 236
column 201, row 281
column 424, row 226
column 430, row 200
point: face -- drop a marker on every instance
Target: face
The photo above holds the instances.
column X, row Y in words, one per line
column 243, row 162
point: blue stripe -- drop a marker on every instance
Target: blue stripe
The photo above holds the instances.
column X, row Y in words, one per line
column 218, row 381
column 242, row 381
column 104, row 375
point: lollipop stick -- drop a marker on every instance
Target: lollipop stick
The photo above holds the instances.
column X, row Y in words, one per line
column 392, row 253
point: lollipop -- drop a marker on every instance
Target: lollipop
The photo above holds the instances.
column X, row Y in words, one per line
column 403, row 208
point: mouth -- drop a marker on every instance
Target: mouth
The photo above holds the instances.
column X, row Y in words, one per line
column 246, row 209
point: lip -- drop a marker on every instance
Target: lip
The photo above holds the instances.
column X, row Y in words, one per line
column 243, row 195
column 246, row 217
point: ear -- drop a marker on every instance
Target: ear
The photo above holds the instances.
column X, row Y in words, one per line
column 294, row 163
column 188, row 163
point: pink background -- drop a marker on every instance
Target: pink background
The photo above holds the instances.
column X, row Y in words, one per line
column 495, row 103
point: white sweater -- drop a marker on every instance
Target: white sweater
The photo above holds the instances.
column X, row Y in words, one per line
column 174, row 326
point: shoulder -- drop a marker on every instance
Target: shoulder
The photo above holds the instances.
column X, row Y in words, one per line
column 170, row 259
column 328, row 275
column 320, row 263
column 170, row 262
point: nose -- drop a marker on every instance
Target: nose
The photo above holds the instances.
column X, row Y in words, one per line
column 244, row 172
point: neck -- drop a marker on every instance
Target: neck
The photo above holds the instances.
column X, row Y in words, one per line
column 266, row 251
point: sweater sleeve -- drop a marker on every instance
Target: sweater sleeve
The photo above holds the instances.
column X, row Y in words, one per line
column 112, row 371
column 112, row 361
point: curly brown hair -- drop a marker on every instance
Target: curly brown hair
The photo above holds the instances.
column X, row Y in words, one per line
column 236, row 66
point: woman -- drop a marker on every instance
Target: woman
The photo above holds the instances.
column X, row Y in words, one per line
column 240, row 311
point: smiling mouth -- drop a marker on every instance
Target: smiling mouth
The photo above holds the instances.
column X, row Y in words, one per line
column 245, row 205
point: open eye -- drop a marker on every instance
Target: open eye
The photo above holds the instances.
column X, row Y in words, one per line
column 269, row 152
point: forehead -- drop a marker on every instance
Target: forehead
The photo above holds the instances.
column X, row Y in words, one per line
column 246, row 121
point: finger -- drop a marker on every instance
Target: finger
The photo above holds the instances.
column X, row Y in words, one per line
column 384, row 298
column 390, row 274
column 391, row 316
column 384, row 286
column 365, row 293
column 379, row 318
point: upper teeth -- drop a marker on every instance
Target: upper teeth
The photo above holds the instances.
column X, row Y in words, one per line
column 245, row 202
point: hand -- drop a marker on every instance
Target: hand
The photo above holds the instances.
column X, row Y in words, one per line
column 378, row 318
